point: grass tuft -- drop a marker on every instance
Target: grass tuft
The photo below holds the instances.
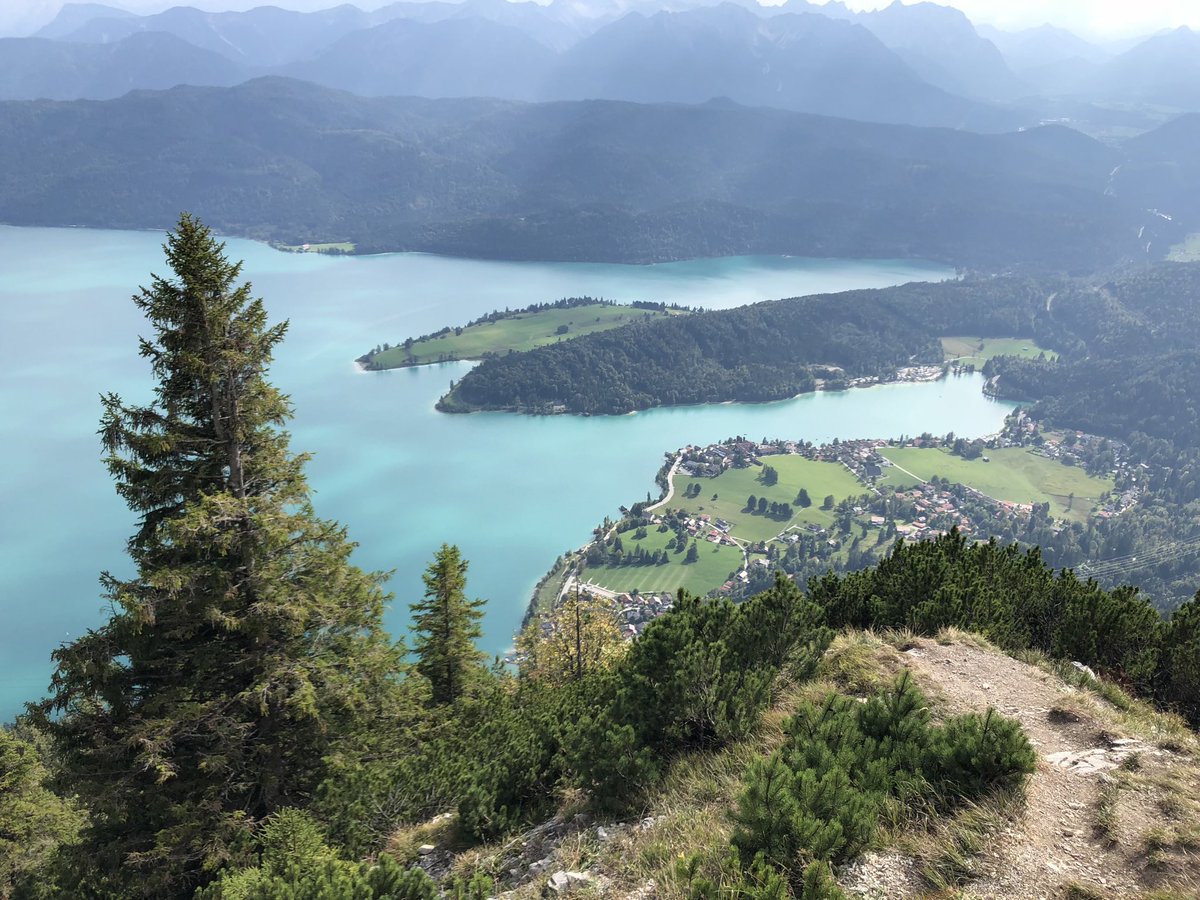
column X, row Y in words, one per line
column 859, row 663
column 900, row 638
column 441, row 832
column 1105, row 818
column 948, row 848
column 952, row 635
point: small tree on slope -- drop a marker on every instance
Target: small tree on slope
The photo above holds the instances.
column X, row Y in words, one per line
column 446, row 625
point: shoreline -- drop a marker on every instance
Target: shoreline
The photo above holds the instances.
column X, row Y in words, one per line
column 821, row 387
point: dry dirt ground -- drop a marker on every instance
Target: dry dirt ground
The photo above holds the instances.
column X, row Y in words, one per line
column 1112, row 811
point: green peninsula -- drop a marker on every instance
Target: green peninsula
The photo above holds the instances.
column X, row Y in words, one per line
column 510, row 331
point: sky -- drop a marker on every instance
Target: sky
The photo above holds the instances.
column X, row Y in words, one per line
column 1094, row 19
column 1089, row 18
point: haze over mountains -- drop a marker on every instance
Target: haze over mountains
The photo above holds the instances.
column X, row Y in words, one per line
column 922, row 64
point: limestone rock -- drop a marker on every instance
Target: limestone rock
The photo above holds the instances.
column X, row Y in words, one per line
column 562, row 883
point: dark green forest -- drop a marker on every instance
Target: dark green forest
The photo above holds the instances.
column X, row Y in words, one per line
column 767, row 351
column 584, row 180
column 243, row 727
column 1123, row 341
column 1129, row 357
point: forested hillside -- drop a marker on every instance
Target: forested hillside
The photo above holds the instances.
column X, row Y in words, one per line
column 1130, row 357
column 1124, row 345
column 702, row 358
column 768, row 351
column 286, row 161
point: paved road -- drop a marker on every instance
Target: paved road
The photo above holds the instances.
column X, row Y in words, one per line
column 670, row 485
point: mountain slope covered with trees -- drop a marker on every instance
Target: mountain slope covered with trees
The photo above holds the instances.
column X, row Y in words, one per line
column 281, row 160
column 1121, row 344
column 1130, row 357
column 768, row 351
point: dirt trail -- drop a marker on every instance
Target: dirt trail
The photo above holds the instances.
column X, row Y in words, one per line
column 1057, row 842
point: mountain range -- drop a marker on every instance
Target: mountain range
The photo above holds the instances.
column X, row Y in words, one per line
column 920, row 64
column 791, row 58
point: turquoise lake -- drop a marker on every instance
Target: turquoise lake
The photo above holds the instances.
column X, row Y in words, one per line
column 512, row 491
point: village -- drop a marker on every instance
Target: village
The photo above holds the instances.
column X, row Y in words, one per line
column 855, row 525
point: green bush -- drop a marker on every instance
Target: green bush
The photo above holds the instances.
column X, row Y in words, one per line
column 819, row 798
column 297, row 864
column 975, row 754
column 697, row 678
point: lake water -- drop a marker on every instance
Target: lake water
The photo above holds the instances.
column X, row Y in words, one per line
column 512, row 491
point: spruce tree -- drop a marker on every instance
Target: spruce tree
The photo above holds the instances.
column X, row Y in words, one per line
column 446, row 625
column 246, row 650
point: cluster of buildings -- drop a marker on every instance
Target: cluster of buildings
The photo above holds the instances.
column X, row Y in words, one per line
column 860, row 457
column 703, row 527
column 936, row 511
column 1118, row 503
column 926, row 511
column 711, row 461
column 633, row 611
column 636, row 611
column 906, row 374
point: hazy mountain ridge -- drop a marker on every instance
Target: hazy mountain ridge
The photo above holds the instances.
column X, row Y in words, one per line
column 1163, row 70
column 754, row 55
column 803, row 62
column 944, row 47
column 74, row 16
column 262, row 37
column 453, row 57
column 1045, row 45
column 37, row 67
column 922, row 64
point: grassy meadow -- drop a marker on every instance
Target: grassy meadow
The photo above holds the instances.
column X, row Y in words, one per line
column 1013, row 474
column 708, row 572
column 520, row 331
column 734, row 486
column 979, row 350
